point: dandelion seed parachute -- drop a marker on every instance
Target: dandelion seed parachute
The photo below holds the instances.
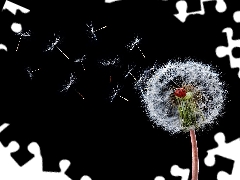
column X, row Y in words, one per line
column 156, row 86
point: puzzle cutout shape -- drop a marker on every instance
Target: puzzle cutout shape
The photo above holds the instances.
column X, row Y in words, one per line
column 228, row 150
column 182, row 9
column 33, row 169
column 222, row 51
column 177, row 171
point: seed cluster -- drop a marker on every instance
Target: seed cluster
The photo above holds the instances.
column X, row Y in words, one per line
column 196, row 104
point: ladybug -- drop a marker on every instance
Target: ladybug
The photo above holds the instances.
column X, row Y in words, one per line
column 180, row 92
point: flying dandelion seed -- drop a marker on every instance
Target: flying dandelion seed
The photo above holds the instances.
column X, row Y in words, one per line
column 71, row 81
column 111, row 63
column 22, row 34
column 157, row 88
column 80, row 60
column 30, row 72
column 54, row 44
column 130, row 73
column 135, row 43
column 115, row 93
column 91, row 31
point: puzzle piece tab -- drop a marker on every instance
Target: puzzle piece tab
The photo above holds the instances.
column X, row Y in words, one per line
column 7, row 164
column 228, row 150
column 177, row 171
column 33, row 169
column 86, row 178
column 35, row 165
column 222, row 51
column 236, row 16
column 182, row 9
column 64, row 165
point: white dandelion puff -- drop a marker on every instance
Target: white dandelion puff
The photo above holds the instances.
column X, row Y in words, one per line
column 72, row 80
column 156, row 86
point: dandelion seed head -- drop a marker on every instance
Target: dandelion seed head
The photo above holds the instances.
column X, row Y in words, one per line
column 91, row 32
column 156, row 86
column 71, row 81
column 114, row 93
column 29, row 71
column 80, row 59
column 133, row 43
column 52, row 44
column 24, row 34
column 110, row 62
column 130, row 68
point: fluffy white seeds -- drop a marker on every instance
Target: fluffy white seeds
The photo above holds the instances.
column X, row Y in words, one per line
column 156, row 85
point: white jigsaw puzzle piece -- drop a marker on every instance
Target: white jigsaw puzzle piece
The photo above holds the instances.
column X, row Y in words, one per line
column 35, row 165
column 64, row 165
column 228, row 150
column 222, row 51
column 7, row 163
column 9, row 168
column 177, row 171
column 12, row 7
column 182, row 9
column 33, row 169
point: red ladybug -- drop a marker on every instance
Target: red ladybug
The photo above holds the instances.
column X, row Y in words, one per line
column 180, row 92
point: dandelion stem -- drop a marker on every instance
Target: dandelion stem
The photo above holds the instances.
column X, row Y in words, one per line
column 194, row 155
column 62, row 52
column 19, row 43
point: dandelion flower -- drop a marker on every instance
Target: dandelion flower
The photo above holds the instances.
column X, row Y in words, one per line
column 182, row 97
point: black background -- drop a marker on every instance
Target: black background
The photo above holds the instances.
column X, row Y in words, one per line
column 102, row 139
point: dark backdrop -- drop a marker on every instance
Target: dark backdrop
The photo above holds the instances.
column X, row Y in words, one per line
column 103, row 139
